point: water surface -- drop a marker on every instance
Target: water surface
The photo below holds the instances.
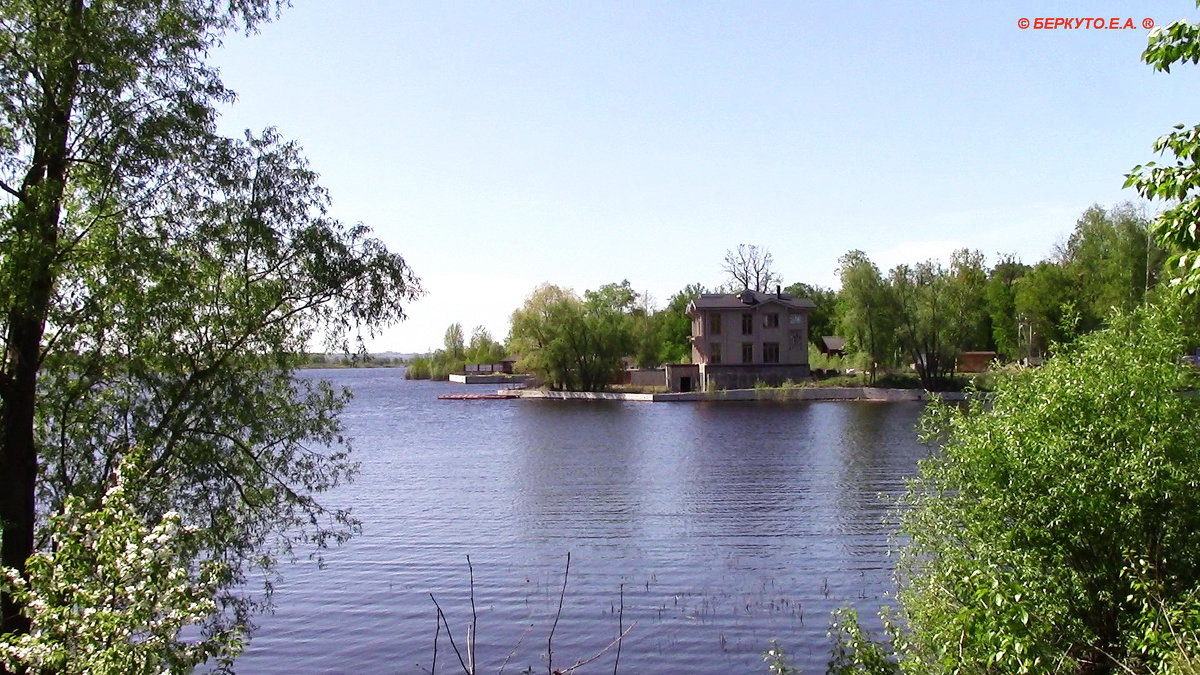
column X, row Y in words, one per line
column 714, row 526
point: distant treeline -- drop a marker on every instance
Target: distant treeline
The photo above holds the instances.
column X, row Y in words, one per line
column 439, row 365
column 915, row 317
column 315, row 360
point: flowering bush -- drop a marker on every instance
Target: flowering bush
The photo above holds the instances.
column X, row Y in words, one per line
column 113, row 595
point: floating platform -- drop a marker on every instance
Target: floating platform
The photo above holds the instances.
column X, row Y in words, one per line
column 476, row 397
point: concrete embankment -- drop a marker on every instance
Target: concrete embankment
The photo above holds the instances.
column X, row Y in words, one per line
column 470, row 378
column 770, row 394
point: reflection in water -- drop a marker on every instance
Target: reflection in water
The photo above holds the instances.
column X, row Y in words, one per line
column 716, row 527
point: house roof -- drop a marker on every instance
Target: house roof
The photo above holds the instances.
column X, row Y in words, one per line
column 833, row 343
column 747, row 299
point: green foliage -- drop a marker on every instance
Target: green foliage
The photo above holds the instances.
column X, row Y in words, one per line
column 866, row 311
column 1000, row 294
column 777, row 662
column 818, row 361
column 571, row 343
column 1176, row 183
column 456, row 348
column 454, row 358
column 925, row 321
column 675, row 326
column 1043, row 299
column 111, row 594
column 483, row 349
column 1035, row 529
column 1111, row 262
column 855, row 650
column 157, row 283
column 966, row 299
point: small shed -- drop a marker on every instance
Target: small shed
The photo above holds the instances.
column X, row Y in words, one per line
column 683, row 377
column 831, row 345
column 974, row 362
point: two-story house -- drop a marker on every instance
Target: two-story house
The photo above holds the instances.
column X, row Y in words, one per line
column 741, row 339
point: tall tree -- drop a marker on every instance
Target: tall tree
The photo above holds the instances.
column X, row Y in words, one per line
column 966, row 290
column 750, row 267
column 455, row 342
column 1001, row 297
column 926, row 324
column 675, row 326
column 822, row 320
column 1112, row 262
column 483, row 348
column 574, row 344
column 866, row 311
column 155, row 281
column 1045, row 307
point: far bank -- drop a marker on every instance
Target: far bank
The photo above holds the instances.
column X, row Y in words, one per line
column 758, row 394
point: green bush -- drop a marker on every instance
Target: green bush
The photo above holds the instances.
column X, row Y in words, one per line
column 111, row 593
column 1056, row 531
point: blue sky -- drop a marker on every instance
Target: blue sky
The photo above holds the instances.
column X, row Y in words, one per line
column 499, row 145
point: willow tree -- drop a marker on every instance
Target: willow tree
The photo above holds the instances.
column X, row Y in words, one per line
column 574, row 344
column 867, row 310
column 156, row 281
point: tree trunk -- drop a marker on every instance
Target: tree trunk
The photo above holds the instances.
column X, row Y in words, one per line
column 31, row 270
column 18, row 459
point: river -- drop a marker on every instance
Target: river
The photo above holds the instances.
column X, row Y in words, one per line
column 715, row 527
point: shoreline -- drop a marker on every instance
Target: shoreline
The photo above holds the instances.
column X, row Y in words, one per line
column 770, row 394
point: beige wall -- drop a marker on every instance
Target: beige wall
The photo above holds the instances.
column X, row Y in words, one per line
column 792, row 338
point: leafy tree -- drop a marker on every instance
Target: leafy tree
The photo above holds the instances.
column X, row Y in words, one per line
column 749, row 267
column 1055, row 529
column 966, row 289
column 484, row 349
column 647, row 341
column 157, row 285
column 1001, row 296
column 1111, row 262
column 822, row 320
column 1045, row 306
column 609, row 314
column 866, row 310
column 675, row 326
column 1178, row 184
column 455, row 343
column 925, row 321
column 570, row 343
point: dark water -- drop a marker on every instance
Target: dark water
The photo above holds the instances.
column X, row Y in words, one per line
column 714, row 526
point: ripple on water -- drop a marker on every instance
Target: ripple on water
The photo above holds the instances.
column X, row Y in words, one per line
column 714, row 527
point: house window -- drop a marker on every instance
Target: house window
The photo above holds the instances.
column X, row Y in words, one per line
column 796, row 319
column 714, row 324
column 747, row 324
column 770, row 352
column 747, row 352
column 714, row 353
column 770, row 321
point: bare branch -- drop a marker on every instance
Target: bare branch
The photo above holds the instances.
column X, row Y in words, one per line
column 450, row 635
column 620, row 622
column 10, row 190
column 617, row 641
column 550, row 640
column 750, row 268
column 474, row 620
